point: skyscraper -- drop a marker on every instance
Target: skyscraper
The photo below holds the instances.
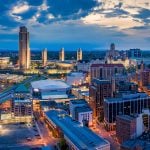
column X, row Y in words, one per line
column 98, row 90
column 44, row 57
column 62, row 55
column 79, row 54
column 24, row 50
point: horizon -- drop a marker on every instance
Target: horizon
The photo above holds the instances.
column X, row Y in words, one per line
column 67, row 50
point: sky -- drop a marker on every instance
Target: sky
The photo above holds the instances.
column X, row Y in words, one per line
column 72, row 24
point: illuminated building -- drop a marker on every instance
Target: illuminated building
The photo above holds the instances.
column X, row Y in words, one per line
column 83, row 65
column 128, row 127
column 22, row 103
column 44, row 57
column 4, row 62
column 128, row 104
column 135, row 53
column 75, row 78
column 144, row 78
column 99, row 89
column 105, row 71
column 80, row 111
column 24, row 49
column 62, row 55
column 50, row 89
column 77, row 137
column 79, row 54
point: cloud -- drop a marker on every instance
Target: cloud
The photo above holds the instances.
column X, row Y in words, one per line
column 20, row 8
column 78, row 20
column 122, row 14
column 44, row 6
column 120, row 22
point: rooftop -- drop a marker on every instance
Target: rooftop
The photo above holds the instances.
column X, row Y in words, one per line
column 21, row 89
column 81, row 136
column 23, row 101
column 78, row 101
column 99, row 81
column 48, row 103
column 131, row 144
column 127, row 97
column 83, row 109
column 107, row 65
column 74, row 74
column 49, row 84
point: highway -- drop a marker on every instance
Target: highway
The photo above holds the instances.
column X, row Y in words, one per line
column 7, row 94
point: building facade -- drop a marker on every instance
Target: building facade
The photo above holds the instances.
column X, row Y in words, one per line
column 128, row 127
column 144, row 78
column 135, row 53
column 62, row 55
column 126, row 105
column 105, row 71
column 79, row 54
column 24, row 49
column 44, row 57
column 77, row 137
column 80, row 111
column 22, row 104
column 99, row 89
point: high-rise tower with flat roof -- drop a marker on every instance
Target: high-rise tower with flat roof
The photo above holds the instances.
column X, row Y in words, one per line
column 44, row 57
column 62, row 55
column 24, row 50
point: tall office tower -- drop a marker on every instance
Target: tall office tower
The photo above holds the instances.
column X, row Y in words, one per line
column 79, row 54
column 98, row 90
column 62, row 55
column 24, row 50
column 44, row 57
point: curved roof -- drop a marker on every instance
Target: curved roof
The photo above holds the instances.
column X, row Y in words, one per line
column 49, row 84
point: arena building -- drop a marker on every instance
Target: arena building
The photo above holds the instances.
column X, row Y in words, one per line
column 50, row 89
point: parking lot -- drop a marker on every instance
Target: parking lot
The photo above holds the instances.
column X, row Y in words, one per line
column 17, row 135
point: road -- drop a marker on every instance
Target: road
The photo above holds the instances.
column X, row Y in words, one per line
column 45, row 133
column 109, row 136
column 7, row 94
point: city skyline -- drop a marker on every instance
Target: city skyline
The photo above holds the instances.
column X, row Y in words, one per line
column 91, row 25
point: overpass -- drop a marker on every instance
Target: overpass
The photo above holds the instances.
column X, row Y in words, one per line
column 8, row 94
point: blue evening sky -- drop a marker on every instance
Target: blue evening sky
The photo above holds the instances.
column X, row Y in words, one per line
column 89, row 24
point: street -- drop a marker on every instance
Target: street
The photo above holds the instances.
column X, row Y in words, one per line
column 109, row 136
column 46, row 135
